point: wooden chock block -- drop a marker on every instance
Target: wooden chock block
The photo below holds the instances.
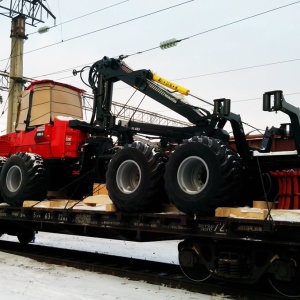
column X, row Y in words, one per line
column 170, row 208
column 30, row 203
column 98, row 199
column 99, row 189
column 58, row 203
column 222, row 212
column 264, row 204
column 241, row 212
column 110, row 207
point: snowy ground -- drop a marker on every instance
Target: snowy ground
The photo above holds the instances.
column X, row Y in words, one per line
column 22, row 278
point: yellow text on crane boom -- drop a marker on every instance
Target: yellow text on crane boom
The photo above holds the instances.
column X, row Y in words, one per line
column 170, row 84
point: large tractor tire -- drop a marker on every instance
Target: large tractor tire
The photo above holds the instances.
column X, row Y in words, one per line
column 3, row 160
column 202, row 174
column 134, row 178
column 23, row 177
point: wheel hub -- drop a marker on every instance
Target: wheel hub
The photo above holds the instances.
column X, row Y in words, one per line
column 14, row 178
column 128, row 176
column 192, row 175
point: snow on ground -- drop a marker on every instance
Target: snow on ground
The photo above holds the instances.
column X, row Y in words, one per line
column 23, row 278
column 154, row 251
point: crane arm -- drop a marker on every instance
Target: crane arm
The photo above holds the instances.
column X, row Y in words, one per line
column 113, row 70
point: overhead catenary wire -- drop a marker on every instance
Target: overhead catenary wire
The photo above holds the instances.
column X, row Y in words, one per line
column 175, row 41
column 241, row 69
column 240, row 20
column 105, row 28
column 61, row 27
column 209, row 30
column 7, row 65
column 191, row 77
column 181, row 78
column 153, row 48
column 85, row 15
column 228, row 25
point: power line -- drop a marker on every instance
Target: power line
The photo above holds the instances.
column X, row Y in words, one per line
column 215, row 28
column 189, row 77
column 62, row 71
column 88, row 14
column 233, row 101
column 107, row 27
column 240, row 20
column 140, row 52
column 208, row 74
column 252, row 99
column 240, row 69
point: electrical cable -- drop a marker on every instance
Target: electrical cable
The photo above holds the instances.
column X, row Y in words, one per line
column 9, row 59
column 137, row 107
column 246, row 100
column 182, row 78
column 74, row 19
column 61, row 28
column 7, row 65
column 175, row 41
column 240, row 69
column 126, row 102
column 208, row 74
column 212, row 29
column 259, row 98
column 107, row 27
column 62, row 71
column 240, row 20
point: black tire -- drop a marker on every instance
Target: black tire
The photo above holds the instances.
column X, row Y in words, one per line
column 134, row 178
column 23, row 177
column 3, row 160
column 26, row 236
column 202, row 174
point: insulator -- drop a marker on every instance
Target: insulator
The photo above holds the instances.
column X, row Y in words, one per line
column 43, row 29
column 168, row 44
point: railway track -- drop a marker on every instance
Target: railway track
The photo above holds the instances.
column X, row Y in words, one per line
column 135, row 269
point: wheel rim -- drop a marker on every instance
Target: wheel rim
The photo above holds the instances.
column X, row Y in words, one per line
column 193, row 175
column 197, row 272
column 290, row 289
column 13, row 178
column 128, row 176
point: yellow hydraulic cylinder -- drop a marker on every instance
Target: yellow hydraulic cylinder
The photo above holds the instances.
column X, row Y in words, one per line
column 170, row 84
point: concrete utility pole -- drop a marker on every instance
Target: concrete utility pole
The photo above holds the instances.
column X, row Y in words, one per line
column 16, row 70
column 20, row 11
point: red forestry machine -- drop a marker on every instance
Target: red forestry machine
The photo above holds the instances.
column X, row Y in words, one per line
column 194, row 167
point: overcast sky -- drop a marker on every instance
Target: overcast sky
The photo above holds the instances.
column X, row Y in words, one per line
column 198, row 63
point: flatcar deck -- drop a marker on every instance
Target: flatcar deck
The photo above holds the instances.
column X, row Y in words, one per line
column 145, row 226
